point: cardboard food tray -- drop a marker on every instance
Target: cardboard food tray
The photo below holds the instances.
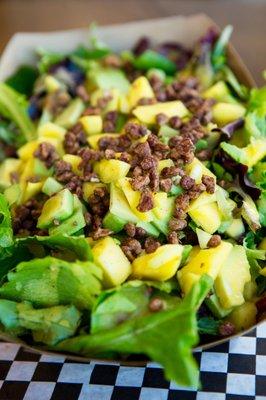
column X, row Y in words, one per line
column 21, row 49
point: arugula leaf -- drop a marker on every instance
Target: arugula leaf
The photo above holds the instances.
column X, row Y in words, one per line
column 6, row 231
column 78, row 245
column 208, row 326
column 23, row 80
column 48, row 325
column 166, row 337
column 50, row 281
column 14, row 107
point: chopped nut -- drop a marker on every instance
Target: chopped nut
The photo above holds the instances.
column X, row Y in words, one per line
column 146, row 202
column 214, row 241
column 187, row 182
column 156, row 304
column 151, row 245
column 209, row 182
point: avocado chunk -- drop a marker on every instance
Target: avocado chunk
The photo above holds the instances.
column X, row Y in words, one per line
column 59, row 207
column 13, row 194
column 236, row 228
column 51, row 186
column 108, row 78
column 215, row 307
column 160, row 265
column 113, row 222
column 232, row 277
column 108, row 255
column 206, row 261
column 74, row 223
column 249, row 155
column 70, row 114
column 244, row 316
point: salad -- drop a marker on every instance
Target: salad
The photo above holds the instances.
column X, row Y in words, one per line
column 133, row 202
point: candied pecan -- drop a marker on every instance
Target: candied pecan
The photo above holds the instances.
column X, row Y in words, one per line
column 99, row 202
column 75, row 185
column 81, row 92
column 148, row 163
column 102, row 102
column 146, row 202
column 46, row 152
column 135, row 131
column 92, row 111
column 56, row 102
column 100, row 233
column 154, row 180
column 166, row 184
column 179, row 213
column 112, row 60
column 124, row 156
column 131, row 248
column 182, row 201
column 172, row 238
column 130, row 229
column 63, row 171
column 209, row 182
column 145, row 101
column 25, row 218
column 74, row 139
column 151, row 245
column 140, row 232
column 175, row 122
column 226, row 328
column 177, row 224
column 187, row 182
column 214, row 241
column 108, row 143
column 161, row 95
column 88, row 218
column 142, row 45
column 88, row 155
column 157, row 145
column 193, row 129
column 140, row 182
column 204, row 155
column 156, row 304
column 170, row 172
column 196, row 191
column 156, row 82
column 161, row 119
column 142, row 150
column 184, row 150
column 137, row 171
column 108, row 126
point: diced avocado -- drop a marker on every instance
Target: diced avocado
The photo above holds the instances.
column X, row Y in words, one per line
column 109, row 256
column 139, row 89
column 13, row 194
column 244, row 316
column 70, row 114
column 207, row 216
column 108, row 78
column 215, row 307
column 176, row 190
column 220, row 92
column 8, row 166
column 51, row 130
column 206, row 261
column 236, row 228
column 119, row 205
column 147, row 114
column 159, row 265
column 149, row 228
column 92, row 124
column 203, row 238
column 168, row 162
column 111, row 170
column 163, row 205
column 113, row 222
column 75, row 161
column 89, row 187
column 250, row 290
column 231, row 279
column 249, row 155
column 161, row 225
column 31, row 190
column 71, row 225
column 51, row 186
column 223, row 113
column 166, row 133
column 59, row 207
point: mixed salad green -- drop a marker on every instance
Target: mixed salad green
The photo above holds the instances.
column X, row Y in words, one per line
column 133, row 202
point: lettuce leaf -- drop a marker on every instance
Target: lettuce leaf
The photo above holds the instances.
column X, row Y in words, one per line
column 166, row 337
column 13, row 106
column 23, row 80
column 6, row 231
column 255, row 121
column 48, row 325
column 49, row 281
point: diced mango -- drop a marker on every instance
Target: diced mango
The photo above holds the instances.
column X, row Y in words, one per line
column 31, row 190
column 74, row 161
column 196, row 169
column 8, row 166
column 133, row 198
column 51, row 130
column 89, row 187
column 139, row 89
column 262, row 244
column 223, row 113
column 207, row 216
column 254, row 152
column 231, row 279
column 123, row 104
column 109, row 256
column 220, row 92
column 111, row 170
column 26, row 151
column 92, row 124
column 204, row 198
column 206, row 261
column 160, row 265
column 112, row 104
column 147, row 114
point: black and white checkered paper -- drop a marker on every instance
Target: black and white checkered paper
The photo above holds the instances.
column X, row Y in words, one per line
column 233, row 371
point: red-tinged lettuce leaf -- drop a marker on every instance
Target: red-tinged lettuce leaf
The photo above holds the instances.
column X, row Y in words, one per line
column 228, row 130
column 166, row 337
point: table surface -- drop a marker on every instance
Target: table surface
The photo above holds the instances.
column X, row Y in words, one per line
column 247, row 17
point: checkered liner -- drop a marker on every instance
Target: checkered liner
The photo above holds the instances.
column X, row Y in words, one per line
column 232, row 371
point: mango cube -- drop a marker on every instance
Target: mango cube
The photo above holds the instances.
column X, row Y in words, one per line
column 139, row 89
column 111, row 170
column 26, row 151
column 223, row 113
column 74, row 161
column 147, row 114
column 51, row 130
column 207, row 216
column 160, row 265
column 92, row 124
column 94, row 139
column 89, row 187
